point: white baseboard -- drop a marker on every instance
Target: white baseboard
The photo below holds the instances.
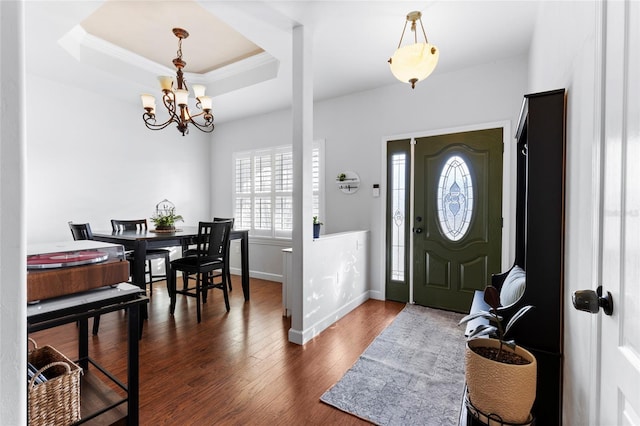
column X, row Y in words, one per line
column 257, row 274
column 301, row 337
column 376, row 295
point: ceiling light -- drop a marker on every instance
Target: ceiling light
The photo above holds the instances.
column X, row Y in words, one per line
column 414, row 62
column 176, row 100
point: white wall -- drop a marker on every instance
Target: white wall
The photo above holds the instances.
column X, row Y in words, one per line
column 13, row 292
column 91, row 159
column 354, row 127
column 338, row 282
column 566, row 56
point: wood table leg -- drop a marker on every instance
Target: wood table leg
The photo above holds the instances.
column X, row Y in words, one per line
column 244, row 254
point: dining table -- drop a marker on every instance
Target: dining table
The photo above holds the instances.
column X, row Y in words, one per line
column 139, row 241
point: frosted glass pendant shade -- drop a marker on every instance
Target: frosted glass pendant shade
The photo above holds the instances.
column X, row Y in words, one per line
column 414, row 62
column 148, row 101
column 206, row 102
column 181, row 96
column 198, row 90
column 166, row 82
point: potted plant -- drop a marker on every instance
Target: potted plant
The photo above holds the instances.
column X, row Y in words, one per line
column 165, row 220
column 316, row 227
column 500, row 376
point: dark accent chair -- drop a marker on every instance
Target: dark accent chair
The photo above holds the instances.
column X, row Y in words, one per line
column 140, row 225
column 210, row 253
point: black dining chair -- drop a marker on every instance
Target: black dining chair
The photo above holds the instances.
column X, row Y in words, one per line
column 191, row 251
column 212, row 244
column 82, row 231
column 140, row 225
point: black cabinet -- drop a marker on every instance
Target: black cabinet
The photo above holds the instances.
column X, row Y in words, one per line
column 540, row 225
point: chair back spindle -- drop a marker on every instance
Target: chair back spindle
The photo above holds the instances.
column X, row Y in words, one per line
column 137, row 225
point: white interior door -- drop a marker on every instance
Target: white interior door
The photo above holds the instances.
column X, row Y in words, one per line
column 619, row 391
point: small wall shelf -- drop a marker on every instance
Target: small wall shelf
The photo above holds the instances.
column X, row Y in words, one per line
column 350, row 183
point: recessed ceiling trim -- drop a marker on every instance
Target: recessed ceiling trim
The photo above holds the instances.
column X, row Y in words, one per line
column 250, row 71
column 94, row 51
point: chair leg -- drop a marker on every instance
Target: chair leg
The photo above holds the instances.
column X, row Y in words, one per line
column 167, row 270
column 171, row 286
column 206, row 282
column 198, row 289
column 96, row 325
column 225, row 292
column 226, row 266
column 150, row 266
column 185, row 280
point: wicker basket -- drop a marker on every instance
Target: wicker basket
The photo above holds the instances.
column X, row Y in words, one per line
column 57, row 400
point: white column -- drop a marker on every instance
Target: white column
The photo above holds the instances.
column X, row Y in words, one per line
column 302, row 238
column 13, row 294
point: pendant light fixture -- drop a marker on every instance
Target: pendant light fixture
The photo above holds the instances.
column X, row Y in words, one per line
column 414, row 62
column 176, row 100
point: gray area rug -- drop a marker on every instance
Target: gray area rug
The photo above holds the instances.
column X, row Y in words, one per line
column 411, row 374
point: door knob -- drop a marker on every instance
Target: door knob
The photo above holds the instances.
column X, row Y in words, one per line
column 591, row 301
column 418, row 231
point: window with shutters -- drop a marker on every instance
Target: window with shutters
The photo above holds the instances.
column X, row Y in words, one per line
column 263, row 190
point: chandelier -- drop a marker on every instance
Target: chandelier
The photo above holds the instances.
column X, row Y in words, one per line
column 176, row 100
column 414, row 62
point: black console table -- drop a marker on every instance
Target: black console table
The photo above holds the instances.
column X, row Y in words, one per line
column 80, row 307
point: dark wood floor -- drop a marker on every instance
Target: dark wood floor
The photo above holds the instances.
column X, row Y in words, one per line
column 232, row 368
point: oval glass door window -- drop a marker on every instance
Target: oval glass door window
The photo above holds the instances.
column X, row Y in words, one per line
column 455, row 198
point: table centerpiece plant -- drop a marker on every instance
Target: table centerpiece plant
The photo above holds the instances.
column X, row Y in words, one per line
column 165, row 219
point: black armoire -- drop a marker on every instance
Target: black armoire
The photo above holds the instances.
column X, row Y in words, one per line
column 540, row 225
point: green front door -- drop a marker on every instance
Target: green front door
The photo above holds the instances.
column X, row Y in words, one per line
column 457, row 227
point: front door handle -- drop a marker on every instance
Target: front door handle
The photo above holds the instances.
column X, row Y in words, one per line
column 591, row 301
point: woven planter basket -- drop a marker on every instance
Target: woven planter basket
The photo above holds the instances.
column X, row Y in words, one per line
column 57, row 400
column 503, row 390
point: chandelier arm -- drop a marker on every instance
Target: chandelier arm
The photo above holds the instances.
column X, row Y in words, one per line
column 207, row 127
column 169, row 103
column 196, row 115
column 148, row 118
